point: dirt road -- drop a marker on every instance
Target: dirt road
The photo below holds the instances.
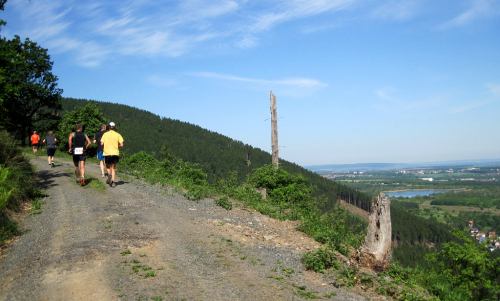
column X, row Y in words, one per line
column 141, row 242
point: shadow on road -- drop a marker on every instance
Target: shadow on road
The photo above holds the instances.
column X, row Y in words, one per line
column 45, row 178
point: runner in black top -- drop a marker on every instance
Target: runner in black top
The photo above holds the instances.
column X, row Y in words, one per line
column 76, row 142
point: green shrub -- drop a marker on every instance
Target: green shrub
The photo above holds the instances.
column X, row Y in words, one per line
column 319, row 260
column 16, row 185
column 224, row 202
column 331, row 229
column 5, row 191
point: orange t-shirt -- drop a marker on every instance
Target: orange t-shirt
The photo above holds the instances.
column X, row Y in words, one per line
column 35, row 138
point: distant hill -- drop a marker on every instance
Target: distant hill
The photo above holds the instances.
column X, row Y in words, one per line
column 216, row 154
column 329, row 168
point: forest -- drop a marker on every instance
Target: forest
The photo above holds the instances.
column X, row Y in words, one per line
column 221, row 157
column 217, row 155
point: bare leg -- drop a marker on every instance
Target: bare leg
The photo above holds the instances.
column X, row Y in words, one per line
column 101, row 163
column 77, row 170
column 113, row 171
column 82, row 169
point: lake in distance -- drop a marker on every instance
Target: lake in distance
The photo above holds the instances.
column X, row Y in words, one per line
column 412, row 193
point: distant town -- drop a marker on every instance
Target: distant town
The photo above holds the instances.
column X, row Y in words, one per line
column 482, row 174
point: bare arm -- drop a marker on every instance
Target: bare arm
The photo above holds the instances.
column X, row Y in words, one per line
column 70, row 140
column 88, row 142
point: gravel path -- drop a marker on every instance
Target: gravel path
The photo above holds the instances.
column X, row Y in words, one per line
column 143, row 242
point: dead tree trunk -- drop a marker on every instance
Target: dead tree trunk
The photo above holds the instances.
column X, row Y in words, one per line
column 376, row 251
column 274, row 131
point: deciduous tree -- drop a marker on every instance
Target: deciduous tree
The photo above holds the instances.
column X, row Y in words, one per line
column 29, row 95
column 90, row 117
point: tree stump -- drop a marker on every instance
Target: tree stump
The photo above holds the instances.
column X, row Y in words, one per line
column 376, row 251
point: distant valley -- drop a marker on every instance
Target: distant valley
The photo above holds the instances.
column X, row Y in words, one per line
column 329, row 168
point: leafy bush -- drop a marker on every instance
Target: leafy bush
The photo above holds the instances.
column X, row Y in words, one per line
column 465, row 271
column 16, row 185
column 181, row 174
column 5, row 191
column 319, row 260
column 224, row 202
column 331, row 229
column 141, row 160
column 288, row 195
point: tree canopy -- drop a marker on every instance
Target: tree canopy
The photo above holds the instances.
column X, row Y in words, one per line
column 29, row 95
column 89, row 116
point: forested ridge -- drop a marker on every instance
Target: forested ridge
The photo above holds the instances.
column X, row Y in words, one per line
column 216, row 154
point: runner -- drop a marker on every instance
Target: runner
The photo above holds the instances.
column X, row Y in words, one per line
column 97, row 140
column 111, row 141
column 34, row 142
column 50, row 140
column 76, row 142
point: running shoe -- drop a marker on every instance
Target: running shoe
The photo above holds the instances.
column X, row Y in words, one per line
column 78, row 181
column 113, row 184
column 53, row 165
column 82, row 182
column 108, row 181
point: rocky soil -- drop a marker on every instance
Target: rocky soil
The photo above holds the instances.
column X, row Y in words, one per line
column 143, row 242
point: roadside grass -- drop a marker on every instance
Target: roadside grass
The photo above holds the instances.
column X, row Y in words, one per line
column 36, row 205
column 17, row 187
column 95, row 183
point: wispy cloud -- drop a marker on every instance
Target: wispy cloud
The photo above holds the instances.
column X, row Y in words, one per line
column 391, row 99
column 494, row 89
column 295, row 82
column 471, row 106
column 397, row 9
column 494, row 92
column 295, row 9
column 478, row 9
column 152, row 28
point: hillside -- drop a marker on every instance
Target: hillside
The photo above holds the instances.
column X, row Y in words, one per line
column 216, row 154
column 141, row 242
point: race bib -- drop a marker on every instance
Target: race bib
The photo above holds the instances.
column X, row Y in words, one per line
column 78, row 151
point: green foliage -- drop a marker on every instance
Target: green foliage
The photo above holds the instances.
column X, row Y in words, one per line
column 485, row 197
column 5, row 191
column 466, row 272
column 285, row 191
column 89, row 116
column 331, row 229
column 29, row 96
column 16, row 184
column 224, row 202
column 178, row 174
column 319, row 260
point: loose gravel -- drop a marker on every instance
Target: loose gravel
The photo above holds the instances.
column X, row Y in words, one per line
column 144, row 242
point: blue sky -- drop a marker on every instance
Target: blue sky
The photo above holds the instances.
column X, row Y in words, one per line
column 355, row 81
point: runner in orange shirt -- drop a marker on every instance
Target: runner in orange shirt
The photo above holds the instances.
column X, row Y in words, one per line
column 34, row 142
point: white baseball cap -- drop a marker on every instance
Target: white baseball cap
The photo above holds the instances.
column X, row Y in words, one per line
column 112, row 124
